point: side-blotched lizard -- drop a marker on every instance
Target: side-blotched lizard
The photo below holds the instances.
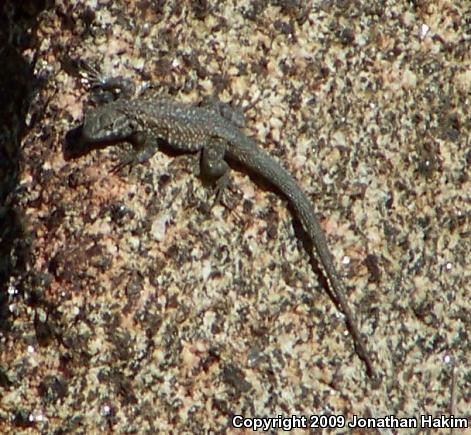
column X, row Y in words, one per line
column 147, row 121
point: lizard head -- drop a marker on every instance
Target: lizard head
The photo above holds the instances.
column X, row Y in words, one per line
column 107, row 123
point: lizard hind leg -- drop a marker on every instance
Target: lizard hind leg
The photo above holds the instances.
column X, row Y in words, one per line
column 215, row 168
column 234, row 115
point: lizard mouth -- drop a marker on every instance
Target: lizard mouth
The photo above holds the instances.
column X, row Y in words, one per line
column 75, row 145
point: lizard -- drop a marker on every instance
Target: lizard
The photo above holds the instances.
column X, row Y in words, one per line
column 146, row 122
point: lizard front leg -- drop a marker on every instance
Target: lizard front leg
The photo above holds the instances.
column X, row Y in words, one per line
column 144, row 148
column 214, row 167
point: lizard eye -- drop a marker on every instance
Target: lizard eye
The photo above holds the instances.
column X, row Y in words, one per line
column 137, row 138
column 124, row 126
column 117, row 125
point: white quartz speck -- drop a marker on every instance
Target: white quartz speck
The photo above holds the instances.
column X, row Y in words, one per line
column 424, row 29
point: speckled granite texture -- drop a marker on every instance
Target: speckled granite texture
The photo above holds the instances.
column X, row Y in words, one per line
column 141, row 311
